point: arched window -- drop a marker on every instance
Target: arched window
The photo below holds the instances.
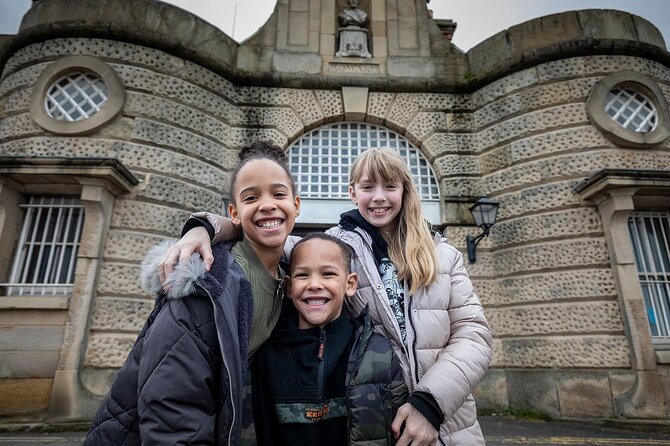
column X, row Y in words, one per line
column 320, row 162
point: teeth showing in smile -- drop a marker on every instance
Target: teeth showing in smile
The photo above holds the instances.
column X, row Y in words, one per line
column 379, row 210
column 316, row 302
column 269, row 224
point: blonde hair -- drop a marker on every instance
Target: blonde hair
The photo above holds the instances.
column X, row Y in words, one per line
column 412, row 250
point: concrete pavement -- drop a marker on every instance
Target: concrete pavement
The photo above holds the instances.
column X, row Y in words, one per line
column 499, row 431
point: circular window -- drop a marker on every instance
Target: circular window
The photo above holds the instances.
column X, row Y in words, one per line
column 630, row 109
column 77, row 95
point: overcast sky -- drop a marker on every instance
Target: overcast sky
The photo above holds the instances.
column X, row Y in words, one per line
column 477, row 19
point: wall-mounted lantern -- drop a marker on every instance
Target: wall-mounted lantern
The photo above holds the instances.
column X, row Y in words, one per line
column 484, row 212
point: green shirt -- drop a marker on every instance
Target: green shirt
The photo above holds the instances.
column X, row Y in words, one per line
column 267, row 296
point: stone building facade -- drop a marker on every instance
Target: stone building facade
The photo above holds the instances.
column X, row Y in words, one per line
column 521, row 118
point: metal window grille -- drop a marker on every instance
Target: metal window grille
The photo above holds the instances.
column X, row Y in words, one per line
column 631, row 109
column 75, row 96
column 650, row 233
column 320, row 160
column 46, row 253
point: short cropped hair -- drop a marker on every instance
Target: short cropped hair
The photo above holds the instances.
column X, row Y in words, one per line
column 347, row 252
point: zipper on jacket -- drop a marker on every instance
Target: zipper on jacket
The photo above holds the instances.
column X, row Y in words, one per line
column 320, row 356
column 411, row 321
column 379, row 292
column 225, row 363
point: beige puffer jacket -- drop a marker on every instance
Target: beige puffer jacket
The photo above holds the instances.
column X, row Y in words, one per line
column 449, row 338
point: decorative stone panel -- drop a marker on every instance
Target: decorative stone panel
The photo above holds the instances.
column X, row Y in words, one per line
column 150, row 217
column 129, row 246
column 459, row 122
column 555, row 142
column 170, row 87
column 146, row 158
column 242, row 136
column 120, row 314
column 443, row 143
column 461, row 187
column 303, row 102
column 120, row 51
column 16, row 102
column 407, row 105
column 283, row 119
column 106, row 350
column 536, row 228
column 533, row 199
column 181, row 193
column 120, row 279
column 24, row 78
column 331, row 103
column 534, row 98
column 573, row 165
column 504, row 86
column 160, row 134
column 379, row 106
column 551, row 255
column 571, row 318
column 579, row 284
column 449, row 165
column 19, row 126
column 425, row 123
column 601, row 351
column 530, row 123
column 159, row 109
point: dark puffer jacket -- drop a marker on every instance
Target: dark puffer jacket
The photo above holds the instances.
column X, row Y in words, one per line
column 182, row 381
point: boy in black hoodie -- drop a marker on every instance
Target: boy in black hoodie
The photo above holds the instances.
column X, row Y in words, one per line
column 323, row 377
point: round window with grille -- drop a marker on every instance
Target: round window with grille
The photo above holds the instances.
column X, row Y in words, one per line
column 75, row 96
column 631, row 109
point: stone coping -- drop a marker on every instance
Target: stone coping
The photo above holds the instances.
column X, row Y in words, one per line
column 178, row 32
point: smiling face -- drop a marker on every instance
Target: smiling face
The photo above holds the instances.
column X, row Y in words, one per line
column 319, row 282
column 264, row 205
column 378, row 201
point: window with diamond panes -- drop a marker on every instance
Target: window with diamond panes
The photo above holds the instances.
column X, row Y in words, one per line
column 46, row 254
column 320, row 160
column 631, row 109
column 75, row 96
column 650, row 233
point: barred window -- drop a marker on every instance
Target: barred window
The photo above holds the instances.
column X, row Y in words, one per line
column 631, row 109
column 75, row 96
column 46, row 253
column 320, row 160
column 650, row 233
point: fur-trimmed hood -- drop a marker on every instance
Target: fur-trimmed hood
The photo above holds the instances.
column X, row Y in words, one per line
column 180, row 283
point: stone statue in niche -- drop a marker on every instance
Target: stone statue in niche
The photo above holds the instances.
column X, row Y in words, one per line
column 353, row 35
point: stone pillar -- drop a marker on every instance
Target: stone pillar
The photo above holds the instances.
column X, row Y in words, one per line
column 645, row 398
column 68, row 398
